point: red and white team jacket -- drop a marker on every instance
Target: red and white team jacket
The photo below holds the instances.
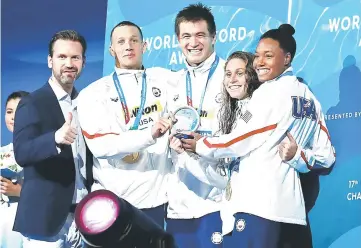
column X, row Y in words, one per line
column 264, row 185
column 107, row 134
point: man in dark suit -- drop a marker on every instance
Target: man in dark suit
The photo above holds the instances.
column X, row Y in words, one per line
column 49, row 145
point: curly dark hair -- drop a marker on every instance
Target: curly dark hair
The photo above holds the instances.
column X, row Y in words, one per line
column 227, row 114
column 284, row 35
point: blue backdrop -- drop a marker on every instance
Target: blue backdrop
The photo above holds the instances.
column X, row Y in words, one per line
column 328, row 58
column 26, row 29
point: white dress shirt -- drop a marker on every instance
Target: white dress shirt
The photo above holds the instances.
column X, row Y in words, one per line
column 78, row 146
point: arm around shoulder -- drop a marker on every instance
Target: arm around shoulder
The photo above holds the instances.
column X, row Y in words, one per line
column 320, row 155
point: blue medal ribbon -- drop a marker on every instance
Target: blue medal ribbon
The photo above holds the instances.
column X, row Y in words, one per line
column 189, row 86
column 234, row 165
column 124, row 103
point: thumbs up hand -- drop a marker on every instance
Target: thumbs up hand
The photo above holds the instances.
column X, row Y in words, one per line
column 287, row 148
column 66, row 135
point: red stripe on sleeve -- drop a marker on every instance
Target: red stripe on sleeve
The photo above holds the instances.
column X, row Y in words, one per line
column 96, row 135
column 240, row 138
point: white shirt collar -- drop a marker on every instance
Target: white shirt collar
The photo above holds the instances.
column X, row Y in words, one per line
column 59, row 92
column 204, row 66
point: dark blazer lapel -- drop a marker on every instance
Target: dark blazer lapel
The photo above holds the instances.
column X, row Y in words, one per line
column 52, row 103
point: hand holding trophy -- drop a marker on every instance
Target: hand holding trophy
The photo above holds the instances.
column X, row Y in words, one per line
column 188, row 121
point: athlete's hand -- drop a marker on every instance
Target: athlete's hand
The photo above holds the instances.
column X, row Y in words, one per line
column 9, row 188
column 190, row 144
column 175, row 144
column 162, row 126
column 288, row 148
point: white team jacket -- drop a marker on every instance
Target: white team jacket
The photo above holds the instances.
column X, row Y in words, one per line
column 102, row 120
column 191, row 191
column 264, row 185
column 318, row 154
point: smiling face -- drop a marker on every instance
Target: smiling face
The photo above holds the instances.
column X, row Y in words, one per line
column 127, row 47
column 270, row 60
column 235, row 81
column 196, row 42
column 66, row 62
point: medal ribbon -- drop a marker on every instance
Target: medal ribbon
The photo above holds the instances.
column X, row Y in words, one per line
column 189, row 86
column 232, row 166
column 124, row 103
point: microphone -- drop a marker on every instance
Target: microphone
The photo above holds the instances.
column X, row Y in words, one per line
column 106, row 220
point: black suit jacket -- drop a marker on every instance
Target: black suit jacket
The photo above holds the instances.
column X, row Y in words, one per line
column 49, row 176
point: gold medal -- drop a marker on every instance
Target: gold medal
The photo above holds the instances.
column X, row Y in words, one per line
column 131, row 158
column 228, row 190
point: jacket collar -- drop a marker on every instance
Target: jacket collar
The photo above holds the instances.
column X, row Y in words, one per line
column 243, row 102
column 120, row 71
column 204, row 66
column 287, row 72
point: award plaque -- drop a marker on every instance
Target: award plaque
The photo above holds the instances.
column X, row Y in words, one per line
column 187, row 119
